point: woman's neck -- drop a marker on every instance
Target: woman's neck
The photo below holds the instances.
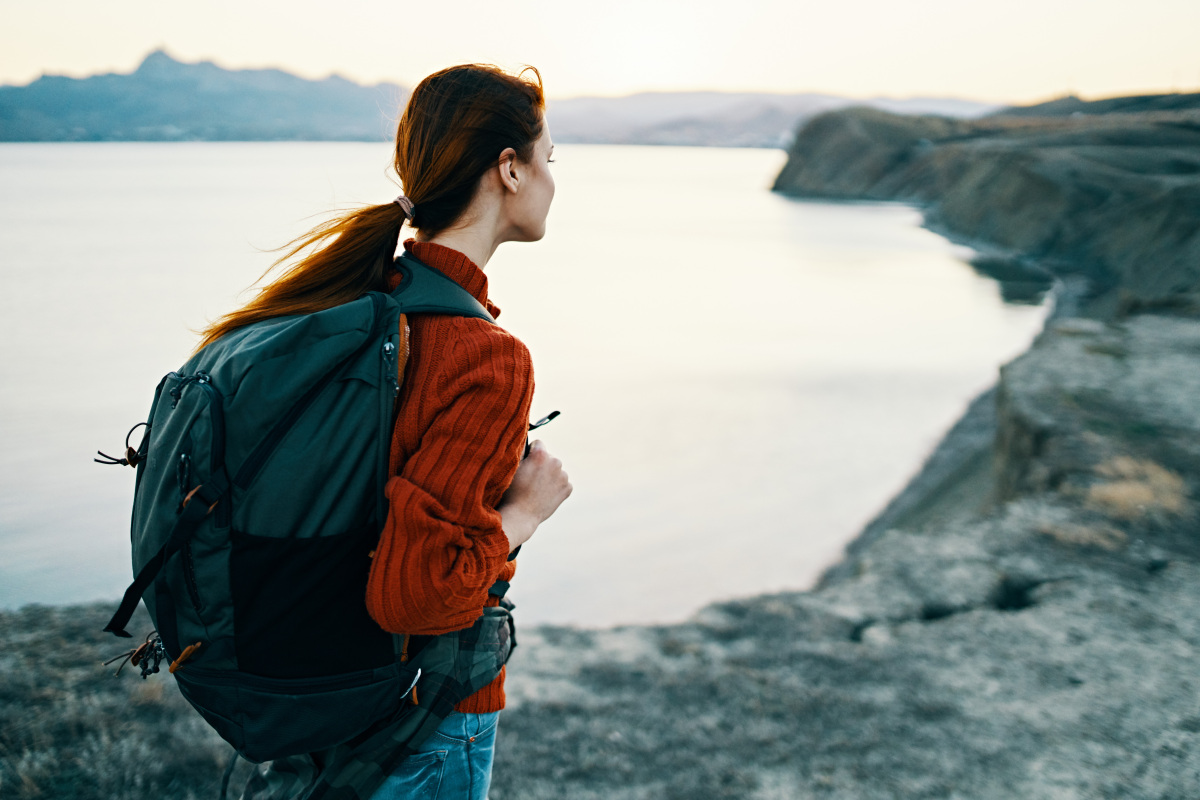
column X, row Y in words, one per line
column 475, row 248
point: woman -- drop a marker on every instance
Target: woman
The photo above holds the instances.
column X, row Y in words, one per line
column 473, row 154
column 462, row 500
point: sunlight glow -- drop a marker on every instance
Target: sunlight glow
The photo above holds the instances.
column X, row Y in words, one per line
column 1021, row 51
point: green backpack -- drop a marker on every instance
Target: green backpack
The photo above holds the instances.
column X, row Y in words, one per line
column 259, row 498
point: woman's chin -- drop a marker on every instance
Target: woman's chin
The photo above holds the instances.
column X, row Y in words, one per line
column 528, row 234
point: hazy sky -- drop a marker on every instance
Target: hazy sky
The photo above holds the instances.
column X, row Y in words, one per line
column 1018, row 50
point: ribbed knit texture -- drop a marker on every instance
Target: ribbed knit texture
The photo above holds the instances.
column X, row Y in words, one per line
column 464, row 412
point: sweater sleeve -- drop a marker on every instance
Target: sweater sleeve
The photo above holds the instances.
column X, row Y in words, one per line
column 442, row 546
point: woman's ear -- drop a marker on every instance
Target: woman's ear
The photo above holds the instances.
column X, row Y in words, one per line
column 508, row 169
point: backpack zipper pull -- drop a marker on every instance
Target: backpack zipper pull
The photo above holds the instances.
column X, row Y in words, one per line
column 389, row 358
column 177, row 392
column 184, row 656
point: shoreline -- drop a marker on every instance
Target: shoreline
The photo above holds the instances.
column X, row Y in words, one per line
column 952, row 480
column 1021, row 621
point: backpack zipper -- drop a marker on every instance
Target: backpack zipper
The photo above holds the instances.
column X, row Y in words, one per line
column 189, row 574
column 216, row 410
column 216, row 416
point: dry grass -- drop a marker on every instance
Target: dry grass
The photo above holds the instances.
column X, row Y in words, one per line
column 1132, row 488
column 69, row 729
column 1098, row 536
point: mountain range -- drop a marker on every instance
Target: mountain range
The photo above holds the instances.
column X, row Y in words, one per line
column 168, row 100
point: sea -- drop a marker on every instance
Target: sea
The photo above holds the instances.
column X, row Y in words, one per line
column 744, row 379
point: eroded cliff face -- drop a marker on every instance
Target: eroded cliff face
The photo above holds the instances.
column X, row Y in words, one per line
column 1114, row 197
column 1104, row 404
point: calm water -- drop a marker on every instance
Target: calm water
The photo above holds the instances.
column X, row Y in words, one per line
column 744, row 379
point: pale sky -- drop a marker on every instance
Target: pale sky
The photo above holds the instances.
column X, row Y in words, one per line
column 1015, row 51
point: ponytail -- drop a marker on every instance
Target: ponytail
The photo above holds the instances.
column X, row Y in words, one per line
column 355, row 253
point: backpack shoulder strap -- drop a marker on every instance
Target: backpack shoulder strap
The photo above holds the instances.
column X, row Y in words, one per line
column 425, row 289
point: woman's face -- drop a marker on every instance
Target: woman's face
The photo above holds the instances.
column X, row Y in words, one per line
column 532, row 201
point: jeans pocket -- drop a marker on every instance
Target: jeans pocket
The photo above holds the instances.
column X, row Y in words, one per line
column 418, row 777
column 462, row 728
column 486, row 723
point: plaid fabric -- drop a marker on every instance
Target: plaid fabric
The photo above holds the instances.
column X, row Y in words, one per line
column 453, row 666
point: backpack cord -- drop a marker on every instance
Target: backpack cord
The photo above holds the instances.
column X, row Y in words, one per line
column 228, row 774
column 132, row 456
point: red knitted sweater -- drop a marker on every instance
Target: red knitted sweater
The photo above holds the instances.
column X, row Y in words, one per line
column 464, row 411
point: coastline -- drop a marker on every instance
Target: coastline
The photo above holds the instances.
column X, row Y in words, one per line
column 184, row 752
column 973, row 642
column 1024, row 628
column 1021, row 621
column 953, row 481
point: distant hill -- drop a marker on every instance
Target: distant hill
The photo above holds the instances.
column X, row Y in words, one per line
column 720, row 119
column 1075, row 106
column 167, row 100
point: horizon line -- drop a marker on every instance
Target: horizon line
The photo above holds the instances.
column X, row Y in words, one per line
column 1063, row 94
column 550, row 98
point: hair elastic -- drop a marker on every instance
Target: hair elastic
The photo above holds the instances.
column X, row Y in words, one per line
column 405, row 204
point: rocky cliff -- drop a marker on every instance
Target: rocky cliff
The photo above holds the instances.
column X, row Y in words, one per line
column 1114, row 197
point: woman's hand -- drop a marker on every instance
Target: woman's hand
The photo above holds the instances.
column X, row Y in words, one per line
column 538, row 489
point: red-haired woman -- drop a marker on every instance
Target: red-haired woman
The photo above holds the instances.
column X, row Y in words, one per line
column 473, row 154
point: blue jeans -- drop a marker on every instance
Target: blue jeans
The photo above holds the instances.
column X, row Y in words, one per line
column 455, row 763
